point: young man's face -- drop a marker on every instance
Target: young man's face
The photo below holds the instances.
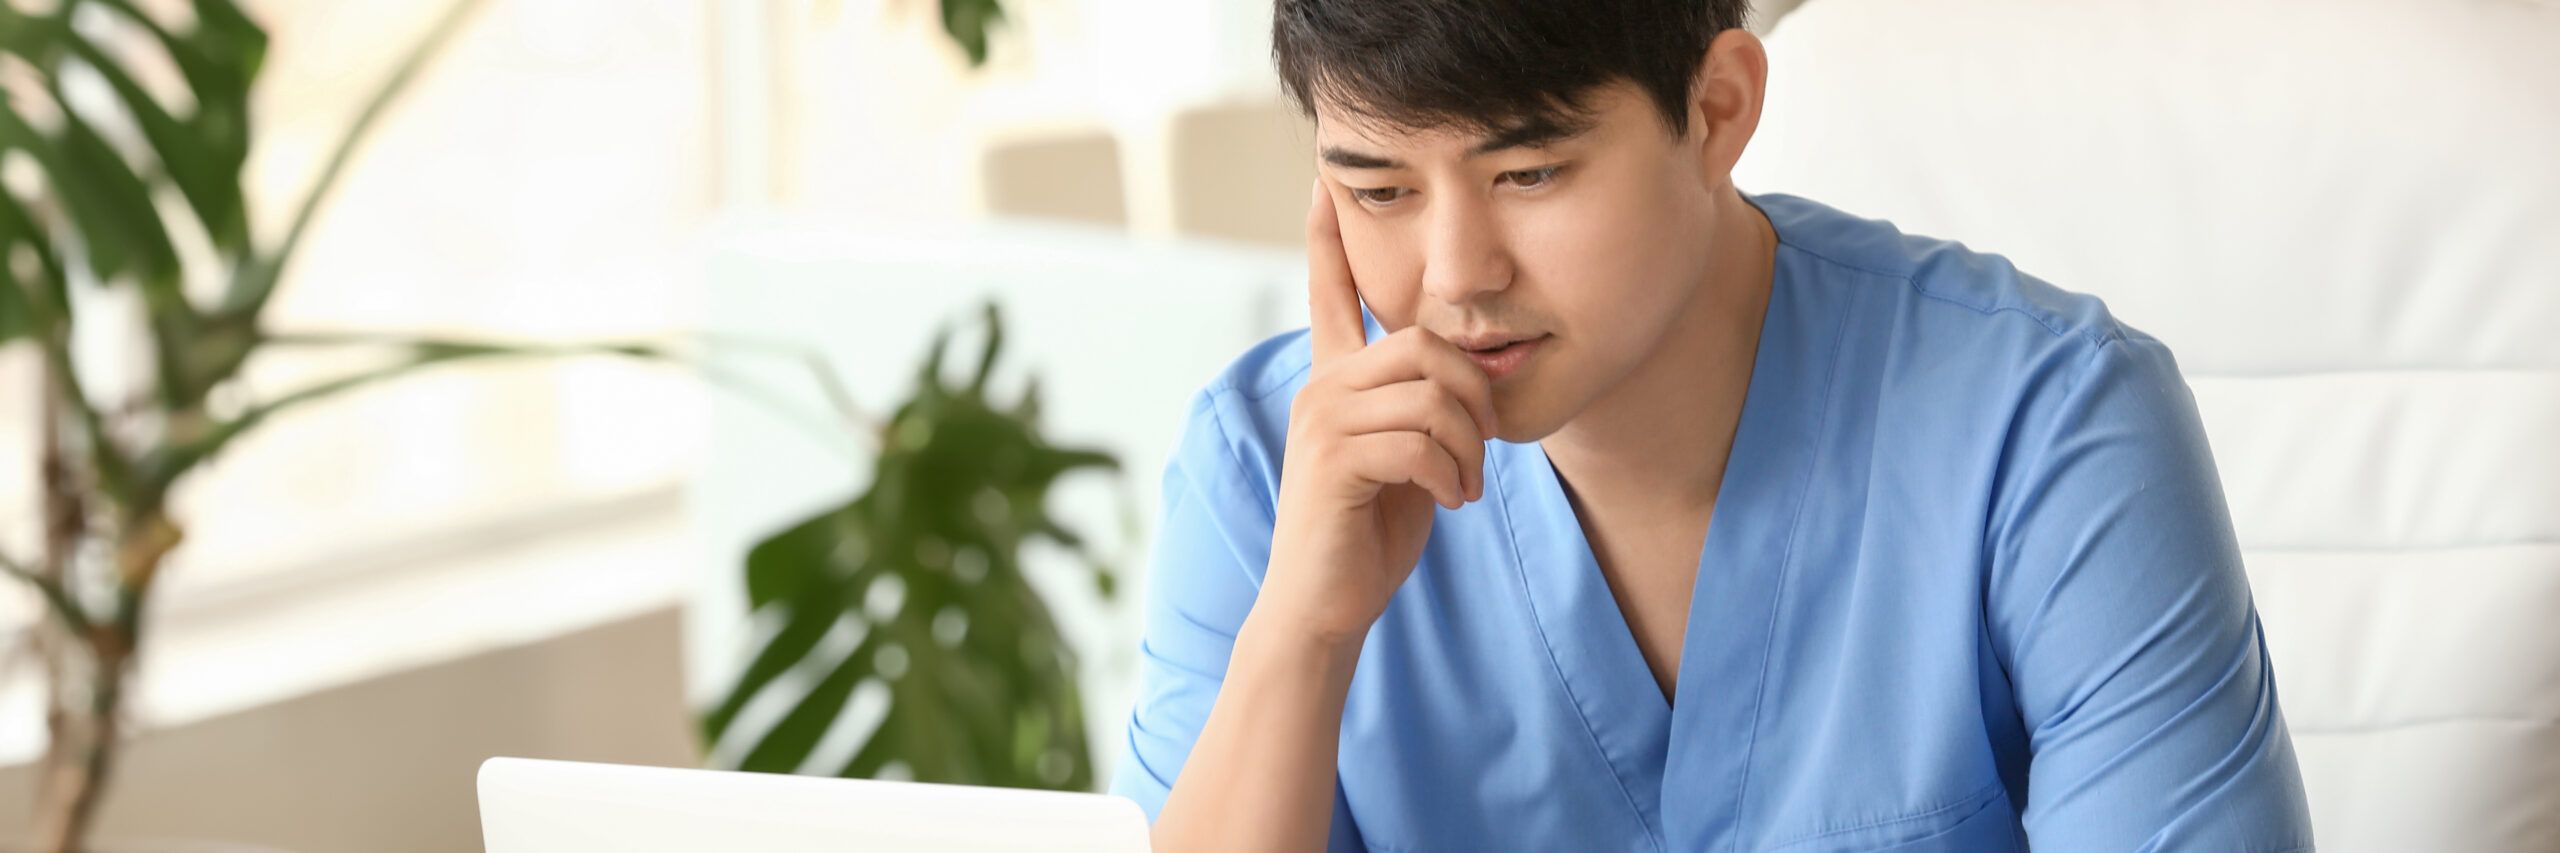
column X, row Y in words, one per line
column 1596, row 242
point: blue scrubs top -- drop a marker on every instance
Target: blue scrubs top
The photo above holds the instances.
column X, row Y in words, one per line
column 1970, row 583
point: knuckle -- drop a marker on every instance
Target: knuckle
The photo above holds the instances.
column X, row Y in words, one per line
column 1309, row 392
column 1321, row 454
column 1326, row 455
column 1453, row 406
column 1424, row 397
column 1303, row 410
column 1418, row 447
column 1447, row 416
column 1443, row 396
column 1310, row 412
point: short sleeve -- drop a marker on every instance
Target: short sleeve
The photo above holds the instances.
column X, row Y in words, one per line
column 1213, row 537
column 2121, row 613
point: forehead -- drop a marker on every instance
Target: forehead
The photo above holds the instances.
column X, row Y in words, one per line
column 1600, row 110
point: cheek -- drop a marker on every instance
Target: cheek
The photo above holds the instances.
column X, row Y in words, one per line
column 1636, row 217
column 1385, row 269
column 1609, row 265
column 1616, row 272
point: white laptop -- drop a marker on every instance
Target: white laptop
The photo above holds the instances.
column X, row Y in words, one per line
column 535, row 806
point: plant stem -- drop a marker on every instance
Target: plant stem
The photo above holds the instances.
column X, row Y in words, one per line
column 80, row 749
column 82, row 754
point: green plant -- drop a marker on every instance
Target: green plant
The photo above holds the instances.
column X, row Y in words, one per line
column 147, row 196
column 921, row 572
column 159, row 210
column 967, row 22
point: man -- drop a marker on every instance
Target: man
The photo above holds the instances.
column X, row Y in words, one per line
column 1636, row 512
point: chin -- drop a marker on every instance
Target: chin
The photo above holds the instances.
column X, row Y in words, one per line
column 1522, row 421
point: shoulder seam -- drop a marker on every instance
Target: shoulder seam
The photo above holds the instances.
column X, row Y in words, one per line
column 1855, row 266
column 2095, row 337
column 1274, row 385
column 1218, row 425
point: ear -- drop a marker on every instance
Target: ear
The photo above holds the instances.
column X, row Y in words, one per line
column 1724, row 102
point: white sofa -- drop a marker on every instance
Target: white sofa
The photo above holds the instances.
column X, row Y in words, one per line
column 2344, row 217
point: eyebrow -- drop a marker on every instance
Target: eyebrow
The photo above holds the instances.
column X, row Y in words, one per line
column 1533, row 133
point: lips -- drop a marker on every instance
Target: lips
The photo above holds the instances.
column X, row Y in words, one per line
column 1501, row 356
column 1490, row 342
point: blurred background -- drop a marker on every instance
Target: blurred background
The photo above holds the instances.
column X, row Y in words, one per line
column 776, row 205
column 545, row 557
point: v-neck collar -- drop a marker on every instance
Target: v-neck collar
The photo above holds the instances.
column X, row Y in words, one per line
column 1700, row 741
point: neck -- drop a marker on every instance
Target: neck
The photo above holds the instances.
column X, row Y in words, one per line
column 1657, row 442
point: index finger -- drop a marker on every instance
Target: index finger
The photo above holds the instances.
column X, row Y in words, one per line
column 1333, row 302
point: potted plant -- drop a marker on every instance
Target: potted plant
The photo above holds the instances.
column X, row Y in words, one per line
column 108, row 466
column 90, row 225
column 922, row 571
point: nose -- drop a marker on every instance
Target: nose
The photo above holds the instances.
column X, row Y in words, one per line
column 1467, row 256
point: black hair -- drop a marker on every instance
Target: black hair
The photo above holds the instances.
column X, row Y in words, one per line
column 1491, row 65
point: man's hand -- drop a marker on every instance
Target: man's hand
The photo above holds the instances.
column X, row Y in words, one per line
column 1378, row 434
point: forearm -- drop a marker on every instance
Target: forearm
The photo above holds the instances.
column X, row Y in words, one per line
column 1261, row 775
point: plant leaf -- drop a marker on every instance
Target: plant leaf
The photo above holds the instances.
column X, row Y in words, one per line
column 790, row 561
column 951, row 501
column 802, row 628
column 113, row 205
column 787, row 744
column 15, row 317
column 220, row 58
column 55, row 597
column 987, row 357
column 967, row 22
column 202, row 165
column 17, row 306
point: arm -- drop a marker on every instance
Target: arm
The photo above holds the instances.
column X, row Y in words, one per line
column 1378, row 435
column 2121, row 613
column 1244, row 712
column 1262, row 775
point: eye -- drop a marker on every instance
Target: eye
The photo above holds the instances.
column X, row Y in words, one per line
column 1530, row 179
column 1379, row 195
